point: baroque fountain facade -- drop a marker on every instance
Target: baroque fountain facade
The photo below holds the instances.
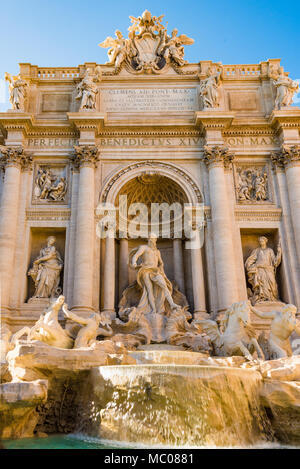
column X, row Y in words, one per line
column 150, row 248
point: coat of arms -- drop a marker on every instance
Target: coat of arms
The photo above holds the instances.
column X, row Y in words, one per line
column 148, row 48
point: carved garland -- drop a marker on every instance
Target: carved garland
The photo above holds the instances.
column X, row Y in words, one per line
column 157, row 165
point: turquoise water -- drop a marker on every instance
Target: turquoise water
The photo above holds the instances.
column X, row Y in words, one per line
column 85, row 442
column 60, row 442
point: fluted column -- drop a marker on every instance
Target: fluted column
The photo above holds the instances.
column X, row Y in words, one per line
column 123, row 265
column 217, row 158
column 14, row 160
column 178, row 264
column 109, row 276
column 85, row 159
column 198, row 278
column 289, row 158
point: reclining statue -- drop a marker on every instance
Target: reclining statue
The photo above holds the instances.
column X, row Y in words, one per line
column 87, row 335
column 283, row 324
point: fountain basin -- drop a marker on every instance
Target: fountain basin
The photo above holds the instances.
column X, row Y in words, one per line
column 177, row 405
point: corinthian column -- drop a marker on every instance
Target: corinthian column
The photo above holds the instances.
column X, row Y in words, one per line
column 289, row 158
column 85, row 159
column 14, row 159
column 217, row 158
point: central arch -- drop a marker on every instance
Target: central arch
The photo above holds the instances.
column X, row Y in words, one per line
column 184, row 180
column 147, row 182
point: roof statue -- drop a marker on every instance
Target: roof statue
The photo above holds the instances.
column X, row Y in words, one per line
column 148, row 48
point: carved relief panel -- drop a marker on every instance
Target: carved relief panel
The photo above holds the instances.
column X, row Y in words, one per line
column 252, row 183
column 50, row 184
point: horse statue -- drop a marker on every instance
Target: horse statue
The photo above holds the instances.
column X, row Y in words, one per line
column 236, row 335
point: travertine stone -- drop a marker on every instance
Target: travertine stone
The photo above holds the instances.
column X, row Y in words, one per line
column 86, row 157
column 152, row 116
column 18, row 404
column 216, row 158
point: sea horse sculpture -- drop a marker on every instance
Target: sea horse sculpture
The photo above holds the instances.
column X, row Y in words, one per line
column 238, row 336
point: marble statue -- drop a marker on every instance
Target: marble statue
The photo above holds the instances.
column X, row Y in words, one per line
column 132, row 329
column 46, row 270
column 236, row 335
column 48, row 330
column 8, row 340
column 87, row 91
column 181, row 332
column 17, row 91
column 172, row 49
column 152, row 278
column 118, row 49
column 209, row 89
column 285, row 90
column 283, row 324
column 87, row 335
column 148, row 47
column 252, row 184
column 261, row 268
column 49, row 187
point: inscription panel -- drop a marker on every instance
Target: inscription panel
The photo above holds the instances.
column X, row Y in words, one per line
column 142, row 100
column 56, row 102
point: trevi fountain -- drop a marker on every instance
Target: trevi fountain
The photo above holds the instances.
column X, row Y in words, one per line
column 150, row 249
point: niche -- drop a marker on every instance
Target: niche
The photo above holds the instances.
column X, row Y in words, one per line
column 38, row 241
column 250, row 242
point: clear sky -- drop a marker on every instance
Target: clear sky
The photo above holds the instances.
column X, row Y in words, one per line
column 67, row 32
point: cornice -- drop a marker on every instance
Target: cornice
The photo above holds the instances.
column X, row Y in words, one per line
column 87, row 120
column 287, row 118
column 213, row 119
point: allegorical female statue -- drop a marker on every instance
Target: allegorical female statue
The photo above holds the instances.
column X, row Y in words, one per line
column 46, row 270
column 17, row 91
column 87, row 91
column 261, row 268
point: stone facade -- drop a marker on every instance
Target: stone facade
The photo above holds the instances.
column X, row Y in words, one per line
column 224, row 136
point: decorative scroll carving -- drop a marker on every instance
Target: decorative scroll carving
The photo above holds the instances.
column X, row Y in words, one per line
column 15, row 156
column 49, row 187
column 218, row 155
column 252, row 184
column 17, row 91
column 85, row 155
column 148, row 48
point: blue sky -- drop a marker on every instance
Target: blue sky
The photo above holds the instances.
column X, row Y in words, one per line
column 67, row 32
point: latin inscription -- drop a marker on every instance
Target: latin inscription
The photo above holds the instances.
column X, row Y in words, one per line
column 158, row 99
column 52, row 142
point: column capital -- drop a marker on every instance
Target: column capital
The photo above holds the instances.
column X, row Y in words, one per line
column 289, row 155
column 15, row 156
column 85, row 155
column 218, row 155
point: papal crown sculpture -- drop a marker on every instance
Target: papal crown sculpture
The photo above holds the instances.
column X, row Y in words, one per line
column 148, row 47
